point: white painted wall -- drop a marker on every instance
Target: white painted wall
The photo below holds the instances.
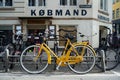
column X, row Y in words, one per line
column 88, row 24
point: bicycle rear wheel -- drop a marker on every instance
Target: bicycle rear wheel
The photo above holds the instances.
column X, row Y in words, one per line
column 111, row 59
column 28, row 63
column 88, row 60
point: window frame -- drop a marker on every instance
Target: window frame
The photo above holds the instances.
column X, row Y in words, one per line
column 72, row 3
column 104, row 5
column 43, row 3
column 117, row 12
column 63, row 2
column 113, row 14
column 31, row 2
column 36, row 3
column 68, row 2
column 3, row 3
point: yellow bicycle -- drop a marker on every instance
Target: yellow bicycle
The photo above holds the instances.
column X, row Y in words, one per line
column 79, row 56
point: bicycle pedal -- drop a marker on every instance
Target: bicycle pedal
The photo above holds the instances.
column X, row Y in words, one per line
column 57, row 68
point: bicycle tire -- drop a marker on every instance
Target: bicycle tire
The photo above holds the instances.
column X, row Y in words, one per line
column 111, row 59
column 11, row 49
column 27, row 60
column 88, row 60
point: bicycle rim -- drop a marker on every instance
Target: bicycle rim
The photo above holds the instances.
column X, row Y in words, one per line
column 88, row 61
column 111, row 59
column 28, row 63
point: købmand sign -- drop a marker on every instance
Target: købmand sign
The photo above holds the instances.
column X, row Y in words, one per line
column 58, row 12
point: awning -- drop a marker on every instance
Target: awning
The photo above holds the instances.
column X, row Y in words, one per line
column 116, row 21
column 35, row 17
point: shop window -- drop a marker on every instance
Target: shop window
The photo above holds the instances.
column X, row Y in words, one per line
column 33, row 31
column 73, row 2
column 62, row 33
column 5, row 34
column 31, row 28
column 6, row 3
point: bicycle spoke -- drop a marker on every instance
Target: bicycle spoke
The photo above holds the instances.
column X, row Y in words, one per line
column 88, row 60
column 29, row 63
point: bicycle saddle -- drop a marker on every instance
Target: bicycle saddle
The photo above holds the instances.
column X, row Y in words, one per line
column 69, row 36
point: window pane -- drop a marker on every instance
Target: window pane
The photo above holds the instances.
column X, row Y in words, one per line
column 101, row 4
column 62, row 33
column 8, row 2
column 113, row 14
column 113, row 1
column 105, row 5
column 73, row 2
column 31, row 2
column 117, row 0
column 63, row 2
column 41, row 2
column 119, row 29
column 117, row 13
column 1, row 2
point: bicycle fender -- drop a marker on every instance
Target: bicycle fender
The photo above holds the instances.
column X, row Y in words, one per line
column 92, row 49
column 85, row 44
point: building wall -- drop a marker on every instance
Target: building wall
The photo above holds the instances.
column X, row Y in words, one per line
column 116, row 16
column 87, row 20
column 116, row 5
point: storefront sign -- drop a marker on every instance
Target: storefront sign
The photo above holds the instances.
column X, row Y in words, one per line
column 103, row 18
column 58, row 12
column 85, row 6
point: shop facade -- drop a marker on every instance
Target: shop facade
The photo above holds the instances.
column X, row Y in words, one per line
column 116, row 16
column 86, row 16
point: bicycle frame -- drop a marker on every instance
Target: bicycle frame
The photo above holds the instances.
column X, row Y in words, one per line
column 61, row 61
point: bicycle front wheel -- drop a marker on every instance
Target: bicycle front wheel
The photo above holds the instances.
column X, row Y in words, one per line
column 28, row 62
column 88, row 60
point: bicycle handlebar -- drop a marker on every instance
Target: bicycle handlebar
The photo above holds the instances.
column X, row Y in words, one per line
column 67, row 30
column 82, row 35
column 56, row 35
column 67, row 36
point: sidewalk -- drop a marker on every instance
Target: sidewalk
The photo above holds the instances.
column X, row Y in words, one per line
column 63, row 74
column 59, row 76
